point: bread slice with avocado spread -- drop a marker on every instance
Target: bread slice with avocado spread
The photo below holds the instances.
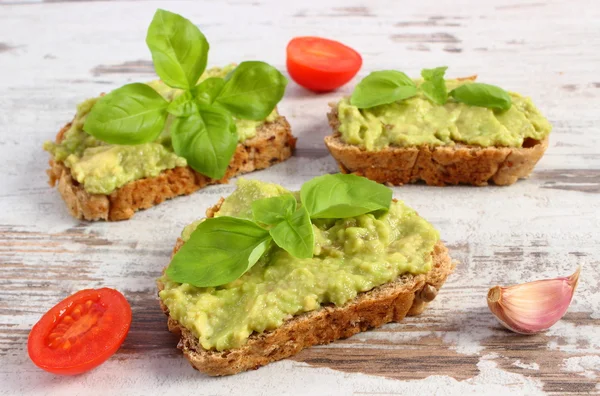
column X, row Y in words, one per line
column 143, row 143
column 414, row 139
column 363, row 271
column 101, row 181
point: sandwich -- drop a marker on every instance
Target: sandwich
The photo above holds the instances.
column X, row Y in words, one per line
column 397, row 130
column 144, row 143
column 269, row 272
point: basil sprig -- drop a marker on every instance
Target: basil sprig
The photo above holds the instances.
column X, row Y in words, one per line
column 389, row 86
column 203, row 131
column 221, row 249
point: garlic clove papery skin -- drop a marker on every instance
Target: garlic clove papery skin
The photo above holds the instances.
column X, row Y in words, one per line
column 532, row 307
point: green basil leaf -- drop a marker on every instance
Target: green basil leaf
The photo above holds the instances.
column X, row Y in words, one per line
column 219, row 251
column 434, row 86
column 273, row 210
column 179, row 50
column 482, row 95
column 252, row 90
column 431, row 74
column 207, row 140
column 340, row 196
column 183, row 105
column 382, row 87
column 132, row 114
column 207, row 91
column 295, row 234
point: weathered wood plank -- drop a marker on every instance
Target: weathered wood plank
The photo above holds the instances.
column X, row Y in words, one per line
column 53, row 55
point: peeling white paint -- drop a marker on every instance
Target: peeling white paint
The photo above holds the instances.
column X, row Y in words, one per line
column 587, row 366
column 574, row 338
column 472, row 330
column 526, row 366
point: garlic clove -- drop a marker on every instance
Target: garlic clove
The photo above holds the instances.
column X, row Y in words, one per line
column 532, row 307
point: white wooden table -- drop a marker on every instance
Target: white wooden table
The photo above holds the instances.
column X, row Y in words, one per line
column 53, row 55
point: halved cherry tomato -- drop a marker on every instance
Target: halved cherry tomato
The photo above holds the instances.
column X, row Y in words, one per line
column 320, row 64
column 80, row 332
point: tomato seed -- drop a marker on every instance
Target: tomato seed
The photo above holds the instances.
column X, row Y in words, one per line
column 53, row 336
column 56, row 342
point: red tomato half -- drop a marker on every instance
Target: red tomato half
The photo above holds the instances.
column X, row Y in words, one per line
column 80, row 332
column 320, row 64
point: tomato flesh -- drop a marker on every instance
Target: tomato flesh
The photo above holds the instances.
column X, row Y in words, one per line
column 80, row 332
column 320, row 64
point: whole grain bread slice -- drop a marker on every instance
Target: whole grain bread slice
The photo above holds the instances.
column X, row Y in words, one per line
column 273, row 143
column 436, row 165
column 408, row 295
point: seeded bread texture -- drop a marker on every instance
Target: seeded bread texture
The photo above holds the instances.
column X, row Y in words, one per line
column 391, row 302
column 272, row 144
column 436, row 165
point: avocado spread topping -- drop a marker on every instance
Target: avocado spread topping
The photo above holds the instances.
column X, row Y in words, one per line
column 350, row 256
column 418, row 121
column 102, row 168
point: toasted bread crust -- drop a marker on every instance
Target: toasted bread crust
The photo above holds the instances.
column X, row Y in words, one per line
column 273, row 143
column 437, row 166
column 391, row 302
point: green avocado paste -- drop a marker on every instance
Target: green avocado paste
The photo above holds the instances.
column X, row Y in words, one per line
column 351, row 256
column 102, row 168
column 418, row 122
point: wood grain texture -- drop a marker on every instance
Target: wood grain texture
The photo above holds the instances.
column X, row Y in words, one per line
column 53, row 55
